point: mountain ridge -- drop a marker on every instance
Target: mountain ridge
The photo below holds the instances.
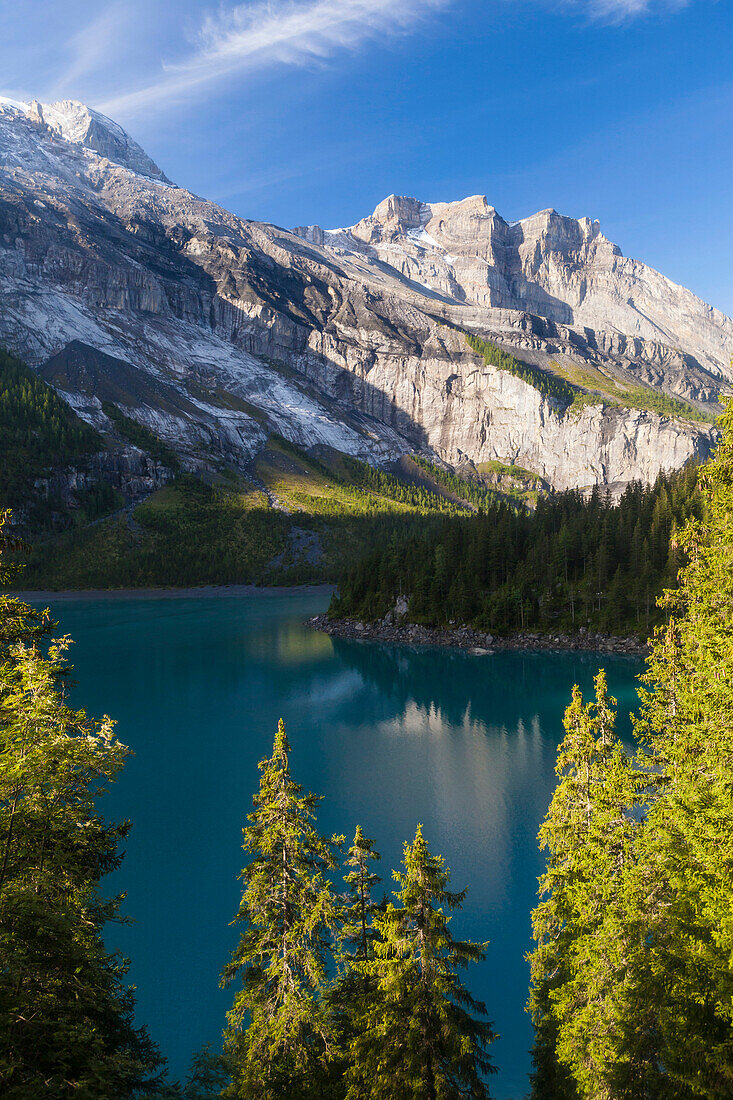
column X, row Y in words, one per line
column 258, row 329
column 470, row 229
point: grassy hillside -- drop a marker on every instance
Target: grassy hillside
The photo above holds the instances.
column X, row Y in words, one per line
column 187, row 533
column 300, row 519
column 337, row 484
column 514, row 482
column 495, row 483
column 594, row 384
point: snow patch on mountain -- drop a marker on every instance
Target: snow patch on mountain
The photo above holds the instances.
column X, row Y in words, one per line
column 421, row 237
column 13, row 106
column 78, row 124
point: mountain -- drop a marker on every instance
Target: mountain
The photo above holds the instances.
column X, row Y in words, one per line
column 559, row 268
column 213, row 331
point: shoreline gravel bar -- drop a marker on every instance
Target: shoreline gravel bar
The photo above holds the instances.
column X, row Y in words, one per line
column 475, row 641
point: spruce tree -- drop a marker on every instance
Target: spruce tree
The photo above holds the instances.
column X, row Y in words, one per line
column 279, row 1039
column 66, row 1012
column 353, row 988
column 420, row 1035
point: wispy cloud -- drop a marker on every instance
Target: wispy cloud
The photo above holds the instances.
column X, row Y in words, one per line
column 247, row 37
column 622, row 11
column 86, row 47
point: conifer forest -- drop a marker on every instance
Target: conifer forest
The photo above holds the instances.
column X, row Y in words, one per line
column 350, row 979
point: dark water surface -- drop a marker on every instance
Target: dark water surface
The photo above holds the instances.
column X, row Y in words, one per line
column 464, row 744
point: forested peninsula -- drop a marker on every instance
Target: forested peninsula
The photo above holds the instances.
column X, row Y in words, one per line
column 576, row 564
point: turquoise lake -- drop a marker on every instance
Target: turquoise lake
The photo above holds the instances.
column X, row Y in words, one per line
column 463, row 744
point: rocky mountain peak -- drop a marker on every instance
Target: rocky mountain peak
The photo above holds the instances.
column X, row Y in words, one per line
column 393, row 217
column 473, row 206
column 470, row 226
column 81, row 125
column 549, row 265
column 402, row 209
column 560, row 232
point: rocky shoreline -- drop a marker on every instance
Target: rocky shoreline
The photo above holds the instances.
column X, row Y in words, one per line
column 475, row 641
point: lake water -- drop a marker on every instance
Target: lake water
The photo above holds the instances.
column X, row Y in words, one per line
column 391, row 737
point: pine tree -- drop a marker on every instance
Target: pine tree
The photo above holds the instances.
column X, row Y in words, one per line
column 279, row 1039
column 682, row 892
column 589, row 833
column 66, row 1013
column 359, row 907
column 420, row 1035
column 353, row 988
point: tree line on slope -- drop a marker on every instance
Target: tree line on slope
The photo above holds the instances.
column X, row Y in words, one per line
column 570, row 396
column 632, row 981
column 187, row 533
column 140, row 436
column 549, row 385
column 38, row 432
column 192, row 533
column 576, row 561
column 475, row 492
column 361, row 482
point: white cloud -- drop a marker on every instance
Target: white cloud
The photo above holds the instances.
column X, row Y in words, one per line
column 247, row 37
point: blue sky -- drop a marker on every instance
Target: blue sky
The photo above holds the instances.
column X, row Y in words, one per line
column 301, row 111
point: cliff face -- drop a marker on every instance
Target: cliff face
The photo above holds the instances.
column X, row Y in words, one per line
column 134, row 474
column 448, row 401
column 214, row 331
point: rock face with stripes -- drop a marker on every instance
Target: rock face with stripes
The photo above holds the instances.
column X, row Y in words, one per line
column 120, row 286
